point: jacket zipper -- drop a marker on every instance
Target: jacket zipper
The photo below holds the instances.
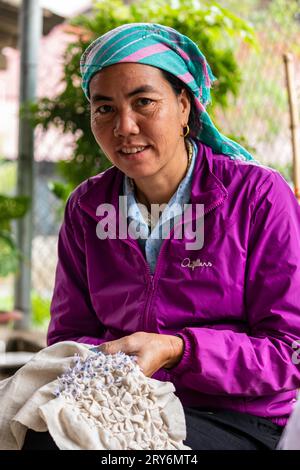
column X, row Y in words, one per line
column 151, row 285
column 150, row 297
column 154, row 277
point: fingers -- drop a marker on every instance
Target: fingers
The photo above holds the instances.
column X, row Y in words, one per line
column 109, row 348
column 147, row 349
column 130, row 344
column 112, row 347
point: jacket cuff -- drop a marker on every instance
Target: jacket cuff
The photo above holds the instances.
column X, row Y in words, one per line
column 162, row 375
column 185, row 361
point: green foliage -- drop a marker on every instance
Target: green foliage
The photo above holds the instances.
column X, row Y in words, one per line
column 6, row 303
column 242, row 141
column 277, row 19
column 8, row 176
column 262, row 108
column 283, row 14
column 211, row 26
column 10, row 208
column 40, row 308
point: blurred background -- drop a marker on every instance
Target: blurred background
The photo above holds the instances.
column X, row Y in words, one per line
column 244, row 42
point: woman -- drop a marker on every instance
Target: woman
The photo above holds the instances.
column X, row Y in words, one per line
column 217, row 317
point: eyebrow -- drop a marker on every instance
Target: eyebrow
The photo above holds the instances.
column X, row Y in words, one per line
column 142, row 89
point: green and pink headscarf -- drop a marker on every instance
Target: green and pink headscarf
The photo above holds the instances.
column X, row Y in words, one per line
column 166, row 49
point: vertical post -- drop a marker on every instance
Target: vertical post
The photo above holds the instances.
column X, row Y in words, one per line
column 30, row 28
column 294, row 119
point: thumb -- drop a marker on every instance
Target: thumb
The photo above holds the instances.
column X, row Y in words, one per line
column 111, row 347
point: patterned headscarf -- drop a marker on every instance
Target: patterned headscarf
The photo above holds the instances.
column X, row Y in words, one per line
column 167, row 49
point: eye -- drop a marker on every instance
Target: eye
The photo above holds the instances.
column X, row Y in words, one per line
column 144, row 101
column 104, row 109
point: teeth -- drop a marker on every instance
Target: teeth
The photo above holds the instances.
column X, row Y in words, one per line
column 133, row 149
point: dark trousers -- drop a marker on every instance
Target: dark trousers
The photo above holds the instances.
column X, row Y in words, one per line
column 206, row 430
column 229, row 430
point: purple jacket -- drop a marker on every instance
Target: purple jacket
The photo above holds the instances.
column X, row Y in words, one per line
column 238, row 310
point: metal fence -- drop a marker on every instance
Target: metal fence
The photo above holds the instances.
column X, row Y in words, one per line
column 260, row 114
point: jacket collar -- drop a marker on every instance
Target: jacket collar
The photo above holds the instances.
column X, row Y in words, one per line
column 206, row 188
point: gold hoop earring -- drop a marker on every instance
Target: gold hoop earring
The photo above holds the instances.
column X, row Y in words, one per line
column 186, row 133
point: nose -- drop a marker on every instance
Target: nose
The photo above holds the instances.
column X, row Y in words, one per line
column 125, row 124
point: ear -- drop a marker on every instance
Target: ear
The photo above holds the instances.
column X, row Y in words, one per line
column 184, row 106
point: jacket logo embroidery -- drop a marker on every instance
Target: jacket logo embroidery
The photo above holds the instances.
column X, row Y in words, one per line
column 187, row 263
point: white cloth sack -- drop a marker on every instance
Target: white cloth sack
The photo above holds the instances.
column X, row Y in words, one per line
column 149, row 415
column 290, row 438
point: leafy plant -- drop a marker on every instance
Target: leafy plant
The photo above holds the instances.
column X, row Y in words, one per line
column 10, row 208
column 40, row 310
column 40, row 307
column 211, row 26
column 8, row 176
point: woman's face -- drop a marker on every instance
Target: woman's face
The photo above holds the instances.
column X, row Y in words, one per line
column 137, row 119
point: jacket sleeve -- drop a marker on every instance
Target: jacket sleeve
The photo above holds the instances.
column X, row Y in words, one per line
column 72, row 315
column 262, row 362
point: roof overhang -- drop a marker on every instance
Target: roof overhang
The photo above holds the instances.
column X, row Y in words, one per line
column 9, row 24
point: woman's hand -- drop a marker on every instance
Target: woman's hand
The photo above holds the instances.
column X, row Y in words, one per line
column 153, row 351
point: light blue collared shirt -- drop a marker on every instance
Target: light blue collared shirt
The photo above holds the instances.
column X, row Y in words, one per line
column 150, row 242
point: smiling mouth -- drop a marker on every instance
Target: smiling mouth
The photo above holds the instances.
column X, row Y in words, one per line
column 133, row 151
